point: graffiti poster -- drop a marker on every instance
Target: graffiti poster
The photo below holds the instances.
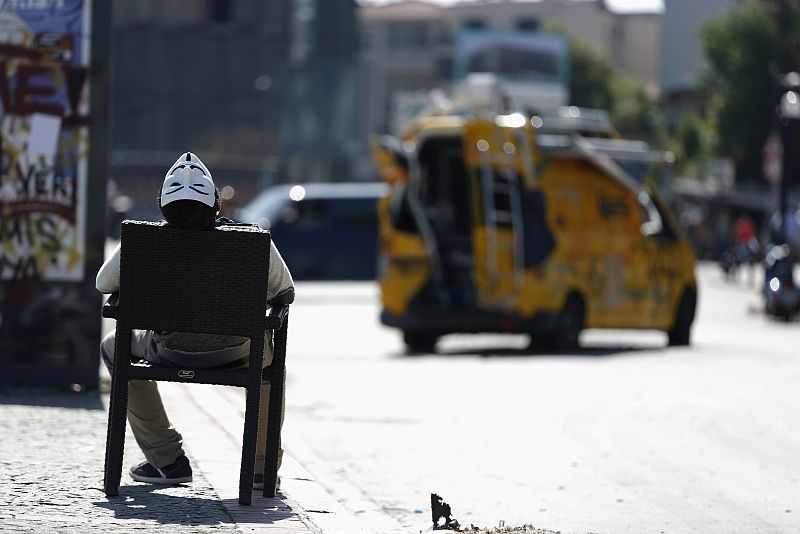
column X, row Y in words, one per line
column 44, row 138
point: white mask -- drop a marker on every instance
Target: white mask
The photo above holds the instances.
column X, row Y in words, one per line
column 188, row 179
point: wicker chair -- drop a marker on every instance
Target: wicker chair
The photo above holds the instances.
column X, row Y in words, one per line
column 212, row 281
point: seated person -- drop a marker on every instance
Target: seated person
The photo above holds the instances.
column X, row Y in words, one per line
column 188, row 200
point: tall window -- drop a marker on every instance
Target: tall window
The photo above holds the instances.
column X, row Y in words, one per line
column 408, row 35
column 475, row 23
column 221, row 10
column 528, row 24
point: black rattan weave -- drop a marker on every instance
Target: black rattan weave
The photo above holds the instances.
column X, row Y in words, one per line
column 211, row 281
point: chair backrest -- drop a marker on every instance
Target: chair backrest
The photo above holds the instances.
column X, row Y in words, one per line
column 208, row 281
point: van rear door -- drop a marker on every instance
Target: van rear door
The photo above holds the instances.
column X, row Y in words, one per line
column 498, row 161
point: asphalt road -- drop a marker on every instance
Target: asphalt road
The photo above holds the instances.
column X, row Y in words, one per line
column 625, row 436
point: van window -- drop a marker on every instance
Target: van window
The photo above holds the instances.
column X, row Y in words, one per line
column 443, row 186
column 501, row 198
column 400, row 210
column 355, row 211
column 617, row 210
column 652, row 222
column 306, row 213
column 612, row 206
column 267, row 208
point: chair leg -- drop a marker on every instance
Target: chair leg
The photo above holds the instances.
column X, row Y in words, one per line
column 115, row 440
column 117, row 417
column 249, row 443
column 273, row 435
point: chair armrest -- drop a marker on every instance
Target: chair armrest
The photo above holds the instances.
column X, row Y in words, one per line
column 111, row 307
column 274, row 319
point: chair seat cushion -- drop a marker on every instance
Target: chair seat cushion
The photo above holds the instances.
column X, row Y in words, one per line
column 196, row 342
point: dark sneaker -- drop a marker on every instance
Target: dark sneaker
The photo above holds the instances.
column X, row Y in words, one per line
column 175, row 473
column 258, row 482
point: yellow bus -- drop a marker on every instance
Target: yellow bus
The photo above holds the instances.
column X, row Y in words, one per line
column 518, row 223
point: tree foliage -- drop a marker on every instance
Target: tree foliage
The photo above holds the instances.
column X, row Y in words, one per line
column 692, row 143
column 595, row 83
column 746, row 50
column 635, row 111
column 591, row 77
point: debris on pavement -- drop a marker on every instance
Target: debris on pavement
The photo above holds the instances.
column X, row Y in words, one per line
column 440, row 510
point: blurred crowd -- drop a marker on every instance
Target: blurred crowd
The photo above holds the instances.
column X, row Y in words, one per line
column 736, row 238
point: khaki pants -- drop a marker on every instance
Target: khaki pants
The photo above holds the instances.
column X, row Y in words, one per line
column 158, row 439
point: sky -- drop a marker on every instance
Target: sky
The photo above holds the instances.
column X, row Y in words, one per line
column 620, row 6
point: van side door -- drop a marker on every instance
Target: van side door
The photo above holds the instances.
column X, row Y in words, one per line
column 354, row 230
column 668, row 261
column 619, row 259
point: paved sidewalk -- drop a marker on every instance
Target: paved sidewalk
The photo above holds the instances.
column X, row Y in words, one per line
column 51, row 470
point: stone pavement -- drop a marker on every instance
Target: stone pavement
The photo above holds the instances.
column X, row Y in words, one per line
column 51, row 469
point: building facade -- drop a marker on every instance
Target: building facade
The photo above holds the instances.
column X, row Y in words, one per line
column 406, row 51
column 681, row 57
column 630, row 40
column 408, row 46
column 257, row 89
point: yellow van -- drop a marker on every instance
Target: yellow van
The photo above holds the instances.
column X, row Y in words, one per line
column 513, row 223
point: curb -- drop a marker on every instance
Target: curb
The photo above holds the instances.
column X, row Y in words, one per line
column 211, row 422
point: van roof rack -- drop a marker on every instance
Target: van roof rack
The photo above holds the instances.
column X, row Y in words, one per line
column 618, row 149
column 567, row 119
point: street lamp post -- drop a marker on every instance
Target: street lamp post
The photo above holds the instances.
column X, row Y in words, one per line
column 788, row 110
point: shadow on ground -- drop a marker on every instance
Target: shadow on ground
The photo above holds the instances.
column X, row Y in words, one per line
column 146, row 502
column 597, row 351
column 528, row 352
column 55, row 397
column 166, row 505
column 263, row 511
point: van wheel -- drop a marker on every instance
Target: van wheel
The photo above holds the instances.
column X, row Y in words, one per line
column 568, row 325
column 419, row 342
column 680, row 333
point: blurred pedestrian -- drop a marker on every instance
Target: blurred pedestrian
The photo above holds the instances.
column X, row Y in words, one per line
column 792, row 225
column 747, row 245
